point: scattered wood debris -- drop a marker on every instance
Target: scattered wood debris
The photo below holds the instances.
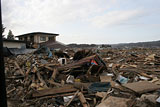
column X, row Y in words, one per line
column 85, row 78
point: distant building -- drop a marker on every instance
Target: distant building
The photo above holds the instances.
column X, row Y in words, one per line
column 35, row 39
column 104, row 46
column 13, row 43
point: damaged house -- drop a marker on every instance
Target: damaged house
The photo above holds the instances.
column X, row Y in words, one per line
column 37, row 39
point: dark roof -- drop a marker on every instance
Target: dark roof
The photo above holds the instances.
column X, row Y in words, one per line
column 8, row 40
column 54, row 44
column 6, row 52
column 38, row 33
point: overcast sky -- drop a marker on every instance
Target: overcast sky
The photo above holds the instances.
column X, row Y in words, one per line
column 85, row 21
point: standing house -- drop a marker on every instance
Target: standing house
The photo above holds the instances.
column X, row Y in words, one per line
column 36, row 39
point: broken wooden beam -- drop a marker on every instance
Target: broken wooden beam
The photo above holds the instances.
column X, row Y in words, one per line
column 41, row 80
column 55, row 72
column 19, row 69
column 83, row 100
column 72, row 98
column 54, row 91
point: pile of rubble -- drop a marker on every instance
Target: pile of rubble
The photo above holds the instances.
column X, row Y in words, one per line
column 109, row 78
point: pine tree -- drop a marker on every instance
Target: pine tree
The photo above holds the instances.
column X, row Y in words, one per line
column 10, row 35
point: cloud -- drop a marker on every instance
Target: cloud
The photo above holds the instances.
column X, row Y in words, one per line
column 74, row 19
column 32, row 15
column 115, row 17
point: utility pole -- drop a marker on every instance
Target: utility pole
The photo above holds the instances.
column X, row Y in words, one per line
column 3, row 98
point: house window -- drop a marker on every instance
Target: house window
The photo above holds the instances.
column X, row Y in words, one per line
column 52, row 38
column 43, row 38
column 20, row 38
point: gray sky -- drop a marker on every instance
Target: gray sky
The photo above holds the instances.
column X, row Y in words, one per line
column 85, row 21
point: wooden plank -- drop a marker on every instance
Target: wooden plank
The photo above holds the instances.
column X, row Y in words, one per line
column 83, row 100
column 60, row 95
column 45, row 92
column 28, row 70
column 57, row 95
column 106, row 95
column 11, row 90
column 55, row 71
column 20, row 70
column 114, row 102
column 49, row 64
column 99, row 70
column 41, row 80
column 80, row 85
column 105, row 78
column 49, row 68
column 89, row 70
column 55, row 83
column 15, row 77
column 77, row 63
column 146, row 75
column 72, row 98
column 142, row 87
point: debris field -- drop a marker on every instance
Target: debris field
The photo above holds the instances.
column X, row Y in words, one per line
column 84, row 78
